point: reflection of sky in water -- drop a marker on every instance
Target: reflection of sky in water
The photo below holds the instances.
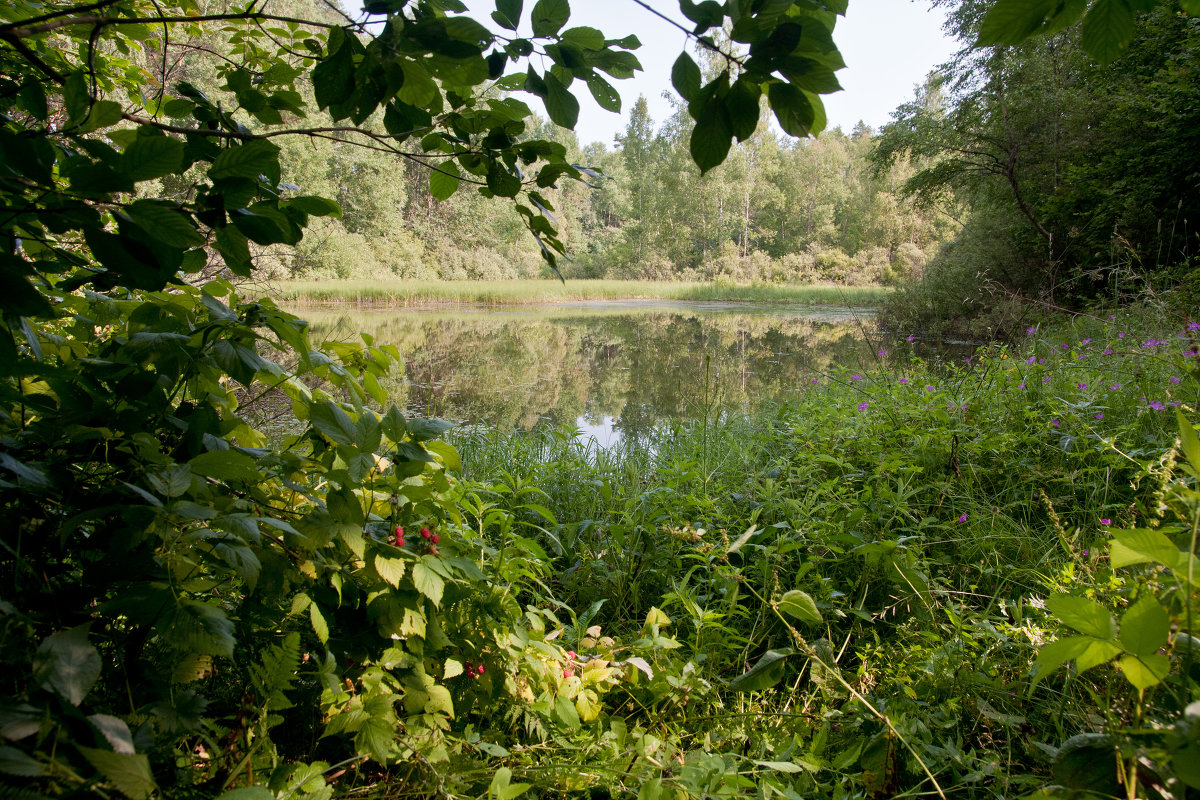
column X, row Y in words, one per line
column 613, row 369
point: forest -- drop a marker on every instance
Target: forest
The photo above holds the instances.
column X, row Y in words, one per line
column 236, row 565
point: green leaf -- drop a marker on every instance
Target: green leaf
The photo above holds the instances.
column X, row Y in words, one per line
column 333, row 78
column 712, row 137
column 330, row 420
column 390, row 569
column 128, row 772
column 781, row 766
column 764, row 674
column 1188, row 437
column 1107, row 29
column 501, row 787
column 549, row 16
column 799, row 605
column 586, row 37
column 502, row 182
column 68, row 664
column 444, row 180
column 1084, row 615
column 604, row 93
column 152, row 157
column 1145, row 671
column 1143, row 546
column 1013, row 21
column 561, row 105
column 197, row 627
column 114, row 730
column 249, row 160
column 314, row 206
column 1088, row 762
column 17, row 762
column 1144, row 627
column 685, row 77
column 226, row 465
column 508, row 14
column 1053, row 655
column 319, row 625
column 792, row 109
column 163, row 222
column 428, row 582
column 248, row 793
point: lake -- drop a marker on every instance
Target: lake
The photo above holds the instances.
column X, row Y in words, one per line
column 610, row 368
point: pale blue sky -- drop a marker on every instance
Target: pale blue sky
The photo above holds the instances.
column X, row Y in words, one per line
column 889, row 47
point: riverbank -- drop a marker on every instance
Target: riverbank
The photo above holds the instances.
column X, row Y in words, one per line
column 403, row 293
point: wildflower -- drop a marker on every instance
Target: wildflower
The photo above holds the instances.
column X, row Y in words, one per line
column 1021, row 386
column 1106, row 521
column 1194, row 326
column 1108, row 351
column 1086, row 341
column 1121, row 335
column 904, row 380
column 856, row 377
column 963, row 518
column 1031, row 330
column 881, row 352
column 863, row 406
column 814, row 380
column 929, row 388
column 1031, row 360
column 1081, row 386
column 1054, row 422
column 1080, row 356
column 1157, row 406
column 1065, row 346
column 1087, row 553
column 1112, row 316
column 1037, row 602
column 1149, row 343
column 1174, row 379
column 1041, row 361
column 1114, row 387
column 1100, row 415
column 1046, row 379
column 910, row 338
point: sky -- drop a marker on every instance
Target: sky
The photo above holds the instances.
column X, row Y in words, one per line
column 889, row 47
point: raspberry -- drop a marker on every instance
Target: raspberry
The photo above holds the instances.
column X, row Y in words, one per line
column 435, row 539
column 426, row 533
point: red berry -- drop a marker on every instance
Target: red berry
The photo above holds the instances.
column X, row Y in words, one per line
column 568, row 673
column 400, row 542
column 481, row 669
column 435, row 539
column 571, row 655
column 426, row 533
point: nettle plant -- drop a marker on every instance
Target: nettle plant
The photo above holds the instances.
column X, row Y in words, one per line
column 1151, row 738
column 196, row 597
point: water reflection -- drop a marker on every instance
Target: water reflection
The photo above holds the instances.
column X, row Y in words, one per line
column 612, row 369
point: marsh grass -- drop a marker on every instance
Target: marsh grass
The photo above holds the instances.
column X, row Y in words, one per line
column 404, row 293
column 927, row 508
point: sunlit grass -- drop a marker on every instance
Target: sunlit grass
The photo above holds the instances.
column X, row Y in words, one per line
column 527, row 292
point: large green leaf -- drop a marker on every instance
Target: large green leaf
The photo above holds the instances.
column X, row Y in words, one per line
column 507, row 14
column 1144, row 627
column 561, row 105
column 226, row 465
column 712, row 137
column 1145, row 671
column 67, row 663
column 1107, row 29
column 764, row 674
column 151, row 157
column 128, row 772
column 444, row 180
column 548, row 16
column 1143, row 546
column 247, row 160
column 1084, row 615
column 685, row 77
column 1012, row 21
column 428, row 582
column 198, row 627
column 165, row 223
column 328, row 418
column 604, row 93
column 800, row 605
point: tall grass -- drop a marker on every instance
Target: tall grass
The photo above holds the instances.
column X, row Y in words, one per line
column 526, row 292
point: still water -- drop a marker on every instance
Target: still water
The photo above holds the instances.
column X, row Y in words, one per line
column 612, row 369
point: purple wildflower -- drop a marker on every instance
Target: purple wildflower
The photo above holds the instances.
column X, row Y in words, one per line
column 1031, row 330
column 1086, row 341
column 1054, row 422
column 1114, row 387
column 1174, row 379
column 863, row 406
column 910, row 338
column 1081, row 386
column 881, row 352
column 1106, row 521
column 1194, row 326
column 904, row 380
column 929, row 388
column 1157, row 406
column 1121, row 335
column 963, row 518
column 1031, row 359
column 856, row 377
column 1020, row 386
column 1100, row 415
column 1108, row 352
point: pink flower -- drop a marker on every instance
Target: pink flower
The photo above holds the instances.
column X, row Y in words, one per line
column 1106, row 521
column 963, row 518
column 1121, row 335
column 1100, row 415
column 1031, row 330
column 910, row 338
column 1108, row 352
column 904, row 380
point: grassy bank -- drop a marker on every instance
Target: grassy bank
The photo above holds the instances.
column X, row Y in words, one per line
column 906, row 582
column 525, row 292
